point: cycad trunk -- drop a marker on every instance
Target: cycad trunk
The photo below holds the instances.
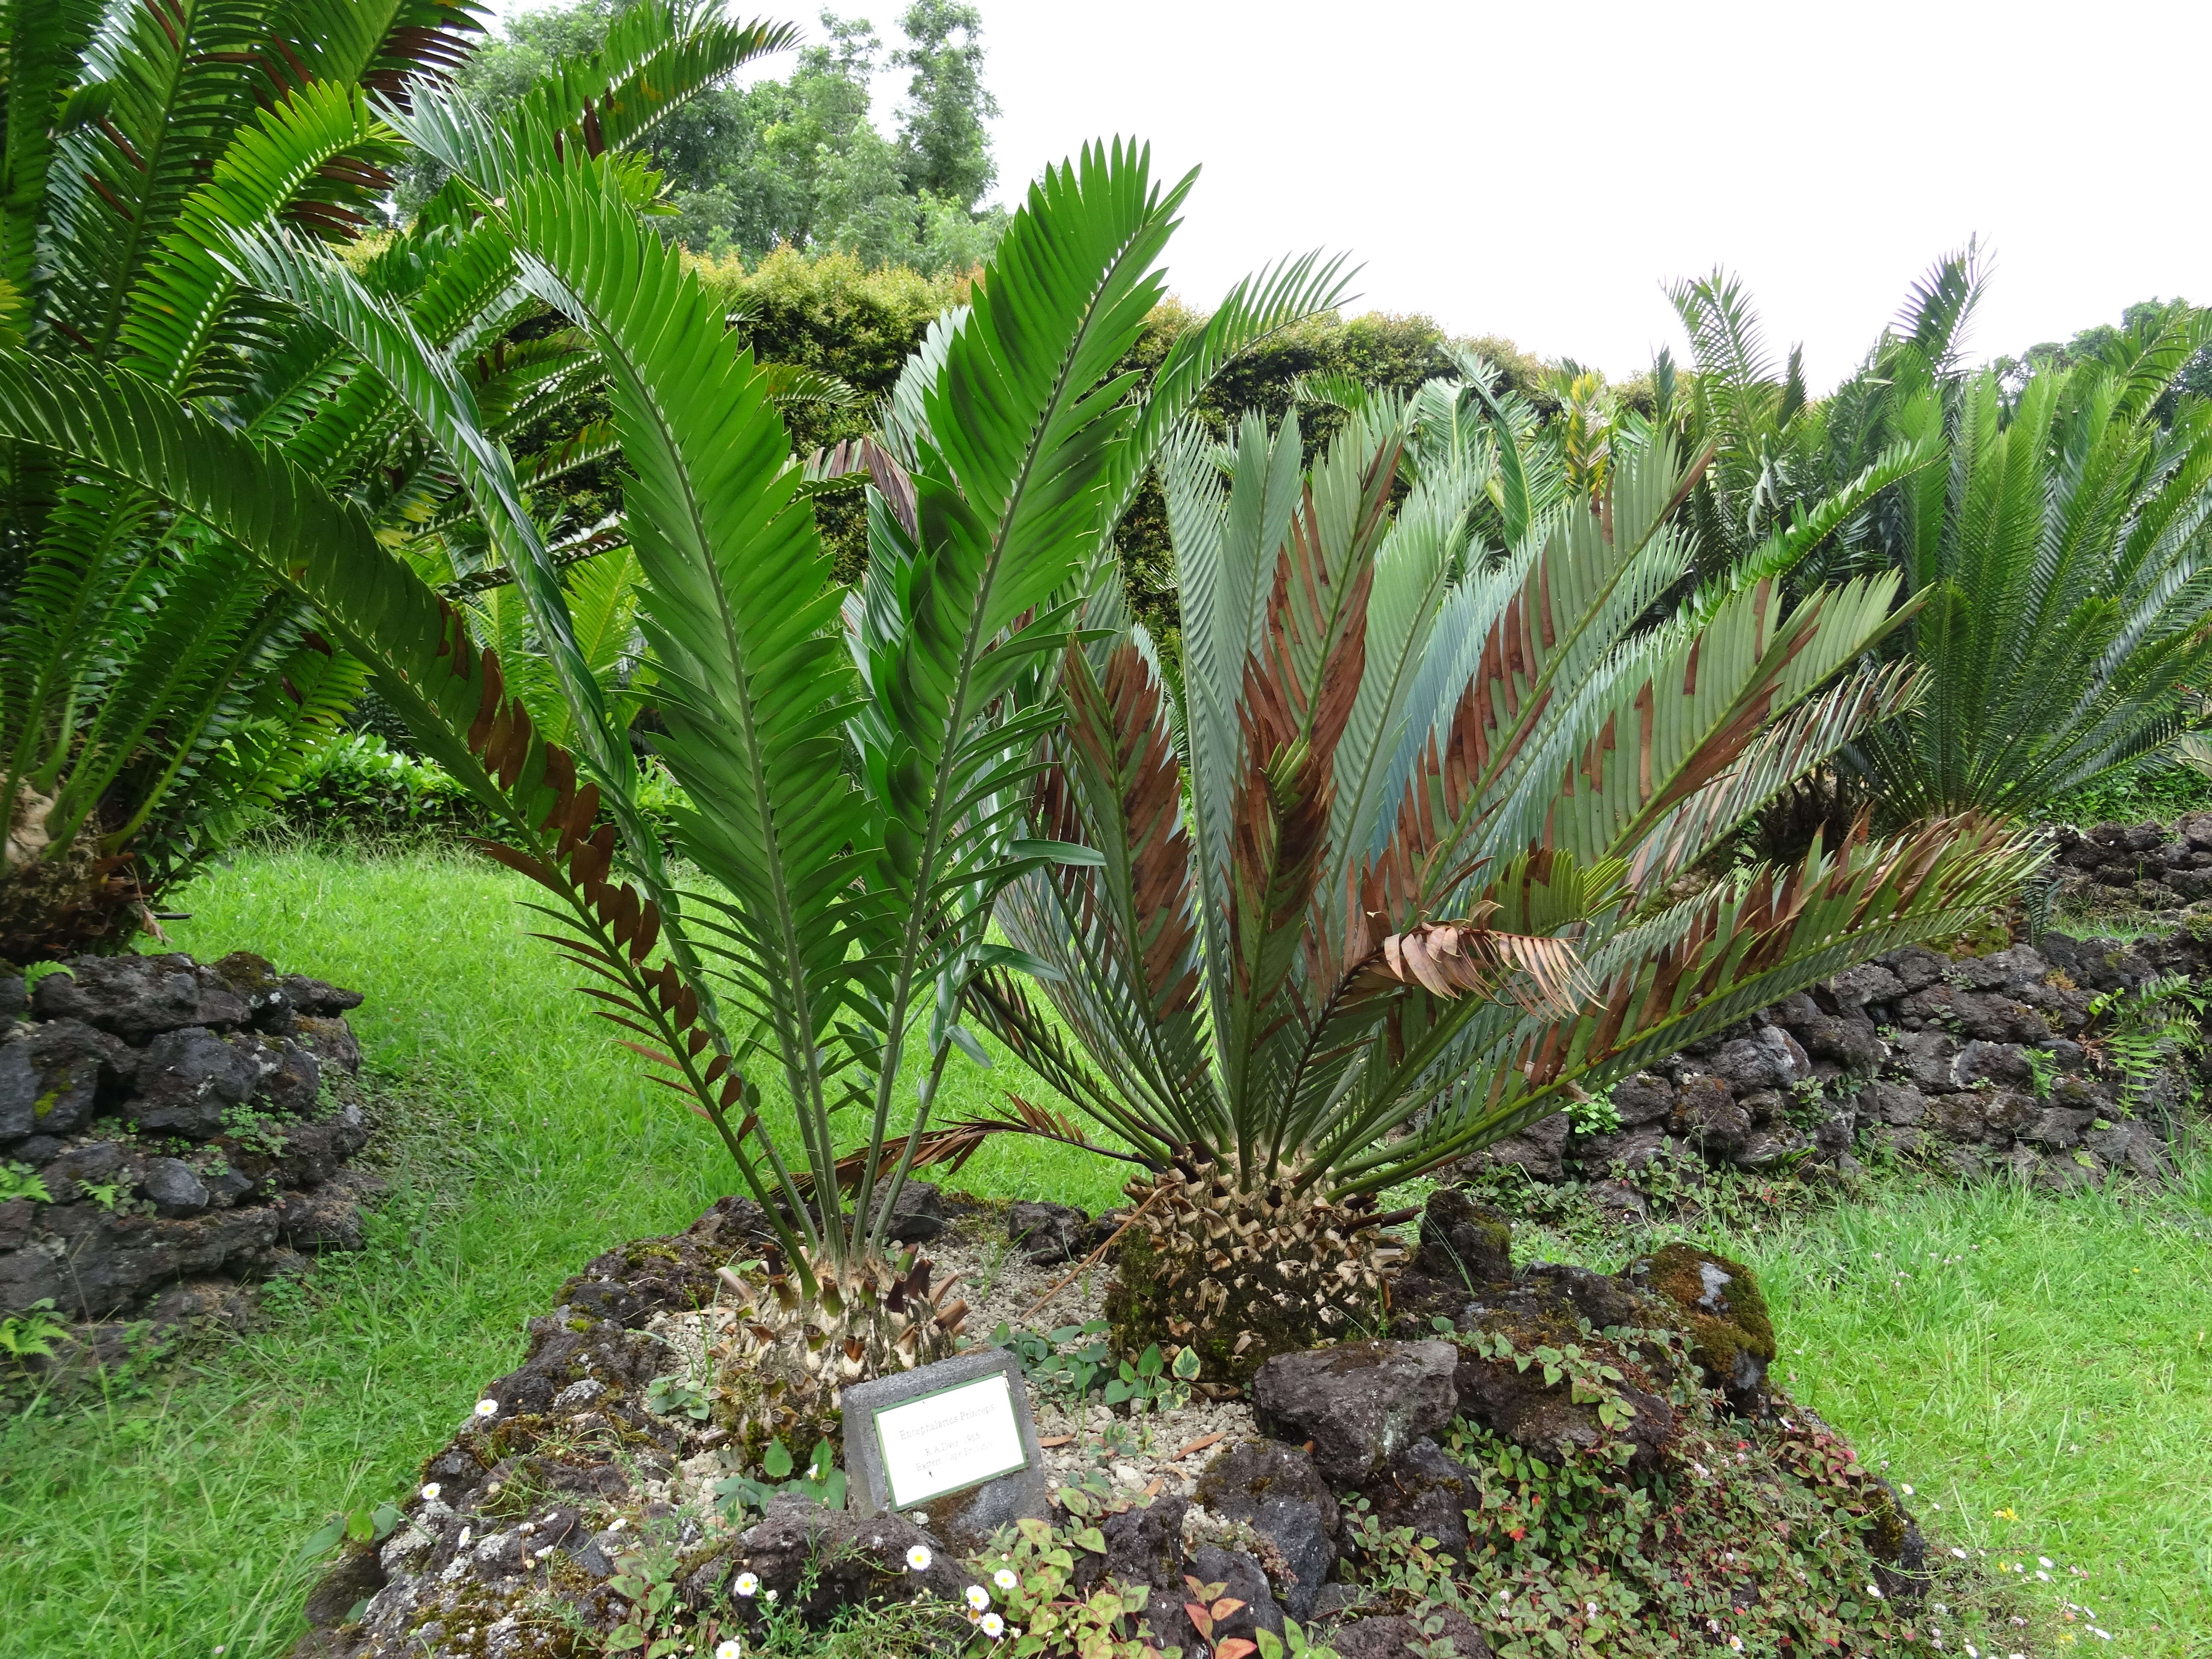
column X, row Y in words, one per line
column 1244, row 1272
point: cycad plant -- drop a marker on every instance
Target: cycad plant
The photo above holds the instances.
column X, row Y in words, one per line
column 857, row 764
column 155, row 682
column 2068, row 569
column 1444, row 802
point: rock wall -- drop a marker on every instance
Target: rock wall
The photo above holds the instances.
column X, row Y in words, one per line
column 1974, row 1063
column 189, row 1124
column 2147, row 865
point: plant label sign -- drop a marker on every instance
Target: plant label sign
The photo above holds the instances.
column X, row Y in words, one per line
column 955, row 1439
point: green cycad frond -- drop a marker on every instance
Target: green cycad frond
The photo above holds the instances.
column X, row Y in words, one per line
column 2069, row 575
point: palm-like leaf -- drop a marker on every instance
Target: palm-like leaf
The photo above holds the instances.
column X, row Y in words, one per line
column 1437, row 799
column 2065, row 551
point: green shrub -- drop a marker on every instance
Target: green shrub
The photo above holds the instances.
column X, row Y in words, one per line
column 363, row 789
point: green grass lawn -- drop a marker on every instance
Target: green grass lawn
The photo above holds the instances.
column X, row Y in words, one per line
column 165, row 1519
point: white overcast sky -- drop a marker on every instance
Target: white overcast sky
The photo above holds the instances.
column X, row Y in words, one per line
column 1542, row 170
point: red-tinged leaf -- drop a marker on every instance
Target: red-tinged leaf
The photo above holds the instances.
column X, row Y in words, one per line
column 1234, row 1647
column 654, row 1054
column 523, row 862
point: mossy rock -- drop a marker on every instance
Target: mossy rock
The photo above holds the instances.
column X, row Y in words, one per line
column 1724, row 1311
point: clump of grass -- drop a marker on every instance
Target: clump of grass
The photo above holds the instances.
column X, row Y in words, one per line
column 2040, row 1368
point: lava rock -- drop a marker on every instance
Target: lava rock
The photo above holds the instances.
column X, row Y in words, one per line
column 1915, row 968
column 1957, row 1117
column 1274, row 1489
column 1730, row 1332
column 51, row 1077
column 917, row 1213
column 332, row 1041
column 1143, row 1546
column 325, row 1220
column 1926, row 1059
column 1643, row 1098
column 1049, row 1232
column 840, row 1559
column 1870, row 981
column 1897, row 1103
column 1633, row 1149
column 1404, row 1636
column 102, row 1163
column 358, row 1575
column 2130, row 1146
column 1423, row 1489
column 190, row 1078
column 136, row 998
column 1464, row 1240
column 1544, row 1417
column 1771, row 1148
column 174, row 1186
column 1997, row 1062
column 93, row 1264
column 1538, row 1150
column 1241, row 1576
column 1360, row 1403
column 1707, row 1115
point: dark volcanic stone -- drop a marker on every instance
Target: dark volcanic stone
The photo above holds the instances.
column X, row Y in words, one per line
column 1360, row 1403
column 102, row 1262
column 1049, row 1232
column 331, row 1039
column 93, row 1164
column 1897, row 1103
column 188, row 1079
column 1464, row 1240
column 1402, row 1636
column 50, row 1078
column 1644, row 1098
column 138, row 997
column 1732, row 1336
column 1275, row 1489
column 843, row 1561
column 325, row 1220
column 1539, row 1149
column 1707, row 1115
column 358, row 1575
column 917, row 1213
column 1425, row 1490
column 1242, row 1576
column 1143, row 1546
column 175, row 1187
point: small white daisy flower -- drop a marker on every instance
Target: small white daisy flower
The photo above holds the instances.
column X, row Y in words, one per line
column 993, row 1627
column 2045, row 1561
column 1874, row 1590
column 1735, row 1645
column 918, row 1559
column 430, row 1492
column 730, row 1649
column 767, row 1595
column 1906, row 1489
column 487, row 1409
column 978, row 1597
column 467, row 1533
column 748, row 1583
column 1005, row 1578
